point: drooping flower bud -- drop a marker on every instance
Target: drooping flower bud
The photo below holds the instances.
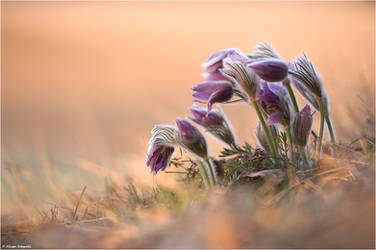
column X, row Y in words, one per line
column 306, row 73
column 310, row 85
column 246, row 78
column 308, row 82
column 212, row 92
column 212, row 67
column 204, row 118
column 159, row 157
column 215, row 61
column 301, row 126
column 161, row 147
column 274, row 100
column 271, row 70
column 191, row 139
column 215, row 123
column 264, row 50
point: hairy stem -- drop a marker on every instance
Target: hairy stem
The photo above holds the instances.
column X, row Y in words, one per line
column 266, row 130
column 287, row 84
column 204, row 173
column 211, row 171
column 331, row 131
column 273, row 136
column 290, row 165
column 321, row 131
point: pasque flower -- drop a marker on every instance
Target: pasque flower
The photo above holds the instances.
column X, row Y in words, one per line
column 246, row 78
column 164, row 138
column 267, row 63
column 159, row 157
column 191, row 138
column 204, row 118
column 306, row 73
column 212, row 67
column 310, row 85
column 274, row 100
column 270, row 69
column 308, row 82
column 212, row 92
column 301, row 126
column 215, row 61
column 161, row 147
column 263, row 52
column 214, row 122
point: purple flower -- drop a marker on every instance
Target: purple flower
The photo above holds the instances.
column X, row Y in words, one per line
column 214, row 122
column 308, row 82
column 212, row 67
column 204, row 118
column 246, row 78
column 191, row 138
column 275, row 103
column 306, row 73
column 159, row 157
column 212, row 92
column 238, row 56
column 301, row 126
column 271, row 70
column 161, row 147
column 215, row 61
column 311, row 98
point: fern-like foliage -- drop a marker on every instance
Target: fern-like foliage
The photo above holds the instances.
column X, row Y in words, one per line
column 237, row 150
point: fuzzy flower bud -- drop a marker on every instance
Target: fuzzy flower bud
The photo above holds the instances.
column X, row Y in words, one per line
column 161, row 147
column 246, row 78
column 191, row 138
column 301, row 126
column 271, row 70
column 306, row 74
column 212, row 92
column 214, row 122
column 274, row 100
column 159, row 157
column 212, row 67
column 215, row 61
column 308, row 82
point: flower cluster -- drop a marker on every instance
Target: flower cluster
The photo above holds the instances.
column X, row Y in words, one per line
column 262, row 79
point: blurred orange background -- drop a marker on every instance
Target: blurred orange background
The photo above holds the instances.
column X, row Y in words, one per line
column 83, row 83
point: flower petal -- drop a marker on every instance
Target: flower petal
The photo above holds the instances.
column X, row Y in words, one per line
column 191, row 138
column 221, row 95
column 209, row 86
column 202, row 95
column 215, row 61
column 214, row 76
column 271, row 70
column 159, row 158
column 274, row 118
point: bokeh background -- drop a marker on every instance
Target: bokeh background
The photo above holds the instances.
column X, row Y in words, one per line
column 83, row 83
